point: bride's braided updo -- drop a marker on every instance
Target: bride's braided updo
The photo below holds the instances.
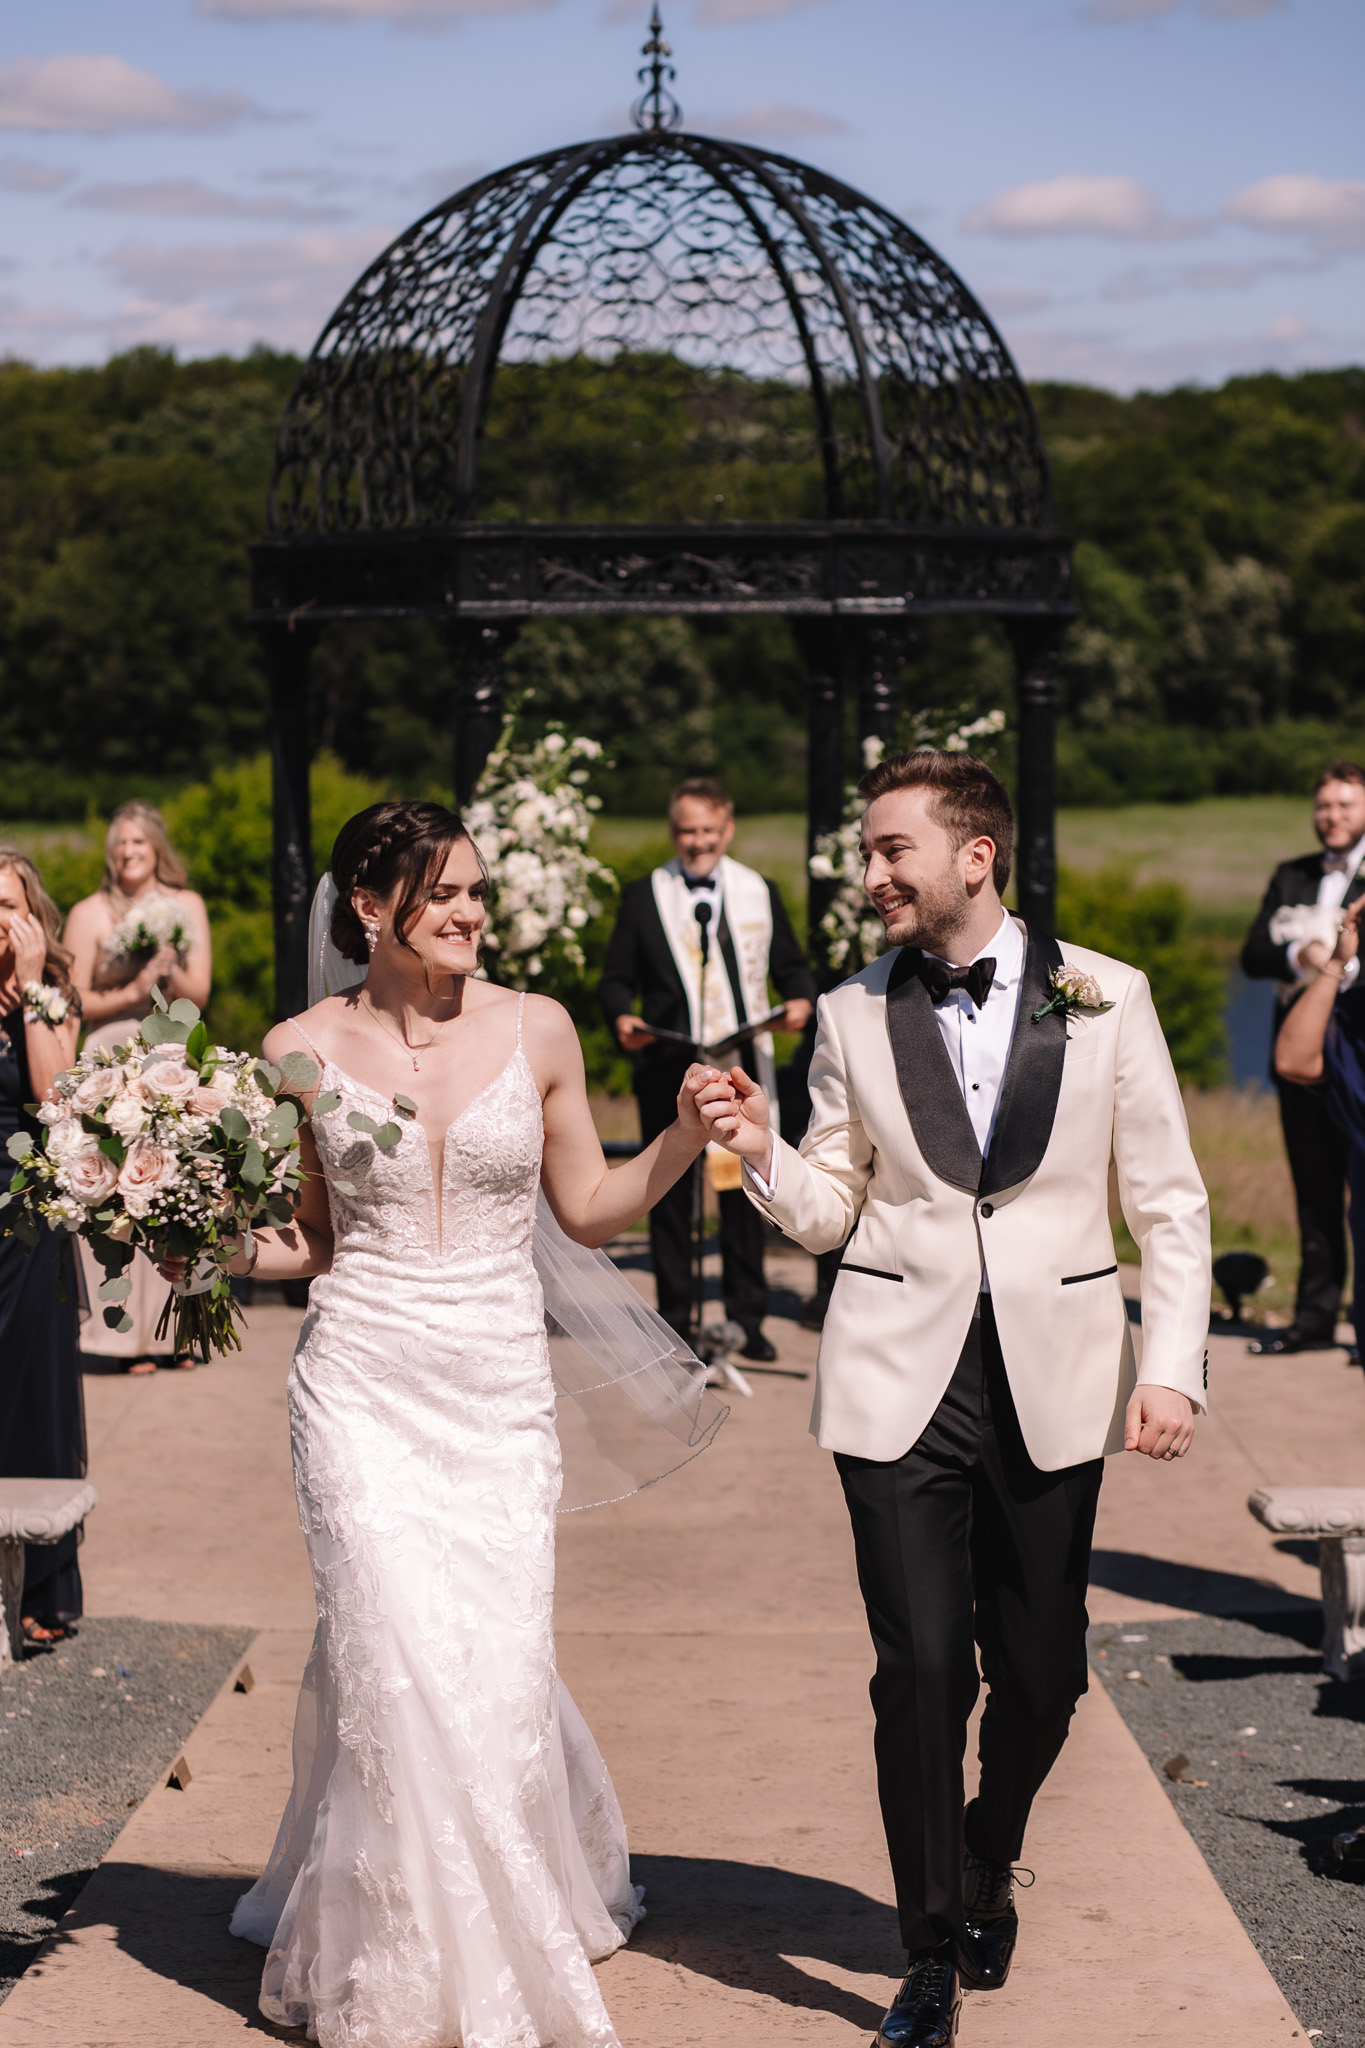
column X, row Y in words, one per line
column 391, row 846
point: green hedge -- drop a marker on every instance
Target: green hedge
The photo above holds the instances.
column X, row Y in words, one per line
column 1148, row 924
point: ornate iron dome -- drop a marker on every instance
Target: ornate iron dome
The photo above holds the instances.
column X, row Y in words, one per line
column 659, row 371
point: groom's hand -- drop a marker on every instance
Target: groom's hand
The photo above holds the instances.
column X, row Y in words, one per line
column 700, row 1084
column 1159, row 1422
column 738, row 1118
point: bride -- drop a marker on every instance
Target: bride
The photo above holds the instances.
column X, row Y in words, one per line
column 452, row 1860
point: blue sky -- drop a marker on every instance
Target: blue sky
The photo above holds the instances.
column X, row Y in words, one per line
column 1140, row 191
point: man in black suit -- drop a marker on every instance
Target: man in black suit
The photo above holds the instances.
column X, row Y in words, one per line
column 1317, row 1149
column 655, row 955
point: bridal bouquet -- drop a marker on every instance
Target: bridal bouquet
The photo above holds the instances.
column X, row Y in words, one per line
column 170, row 1146
column 145, row 931
column 531, row 818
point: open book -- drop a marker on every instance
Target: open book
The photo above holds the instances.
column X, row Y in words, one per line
column 713, row 1054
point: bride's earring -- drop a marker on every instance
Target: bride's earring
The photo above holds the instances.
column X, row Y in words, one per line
column 371, row 936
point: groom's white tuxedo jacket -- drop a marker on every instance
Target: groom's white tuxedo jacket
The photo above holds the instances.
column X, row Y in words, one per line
column 890, row 1157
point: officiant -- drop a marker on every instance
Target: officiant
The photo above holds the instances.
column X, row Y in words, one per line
column 1291, row 939
column 702, row 899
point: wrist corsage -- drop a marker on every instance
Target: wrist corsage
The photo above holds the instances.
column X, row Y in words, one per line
column 44, row 1004
column 1074, row 993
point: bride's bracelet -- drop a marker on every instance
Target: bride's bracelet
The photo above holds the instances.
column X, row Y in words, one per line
column 1326, row 968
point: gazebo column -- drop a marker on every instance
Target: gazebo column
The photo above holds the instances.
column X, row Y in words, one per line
column 479, row 650
column 822, row 647
column 287, row 652
column 1036, row 643
column 882, row 648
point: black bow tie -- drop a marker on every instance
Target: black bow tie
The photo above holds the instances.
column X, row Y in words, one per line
column 939, row 978
column 700, row 881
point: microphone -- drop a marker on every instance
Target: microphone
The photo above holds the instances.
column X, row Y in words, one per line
column 703, row 917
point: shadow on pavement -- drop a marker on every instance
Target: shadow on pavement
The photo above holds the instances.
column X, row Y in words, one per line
column 1190, row 1586
column 739, row 1923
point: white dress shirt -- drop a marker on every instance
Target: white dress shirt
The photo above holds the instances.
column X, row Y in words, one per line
column 977, row 1041
column 1331, row 895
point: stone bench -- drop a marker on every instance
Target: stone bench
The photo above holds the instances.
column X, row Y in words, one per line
column 32, row 1511
column 1336, row 1516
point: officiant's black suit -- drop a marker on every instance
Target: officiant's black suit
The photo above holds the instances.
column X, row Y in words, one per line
column 1317, row 1149
column 639, row 962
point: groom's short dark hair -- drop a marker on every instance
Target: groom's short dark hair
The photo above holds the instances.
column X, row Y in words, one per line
column 968, row 798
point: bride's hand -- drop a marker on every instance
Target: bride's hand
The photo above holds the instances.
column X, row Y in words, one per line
column 173, row 1270
column 700, row 1084
column 1348, row 938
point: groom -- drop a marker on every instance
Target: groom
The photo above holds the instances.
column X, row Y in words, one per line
column 976, row 1364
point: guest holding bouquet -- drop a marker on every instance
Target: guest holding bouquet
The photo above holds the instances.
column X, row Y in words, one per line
column 42, row 1418
column 142, row 929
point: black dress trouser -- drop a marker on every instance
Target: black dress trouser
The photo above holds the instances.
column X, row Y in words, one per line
column 743, row 1285
column 965, row 1538
column 1318, row 1152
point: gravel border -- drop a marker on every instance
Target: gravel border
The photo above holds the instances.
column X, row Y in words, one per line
column 1275, row 1767
column 85, row 1733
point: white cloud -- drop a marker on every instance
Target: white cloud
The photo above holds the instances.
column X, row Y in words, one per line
column 411, row 14
column 201, row 296
column 748, row 10
column 1329, row 212
column 188, row 199
column 26, row 174
column 776, row 122
column 1012, row 305
column 1241, row 10
column 104, row 96
column 1288, row 327
column 1152, row 10
column 1149, row 283
column 1117, row 208
column 1114, row 362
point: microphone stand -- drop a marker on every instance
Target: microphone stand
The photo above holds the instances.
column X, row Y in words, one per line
column 712, row 1350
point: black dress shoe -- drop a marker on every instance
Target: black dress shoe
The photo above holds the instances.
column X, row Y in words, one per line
column 992, row 1923
column 1281, row 1343
column 924, row 2012
column 756, row 1345
column 1346, row 1857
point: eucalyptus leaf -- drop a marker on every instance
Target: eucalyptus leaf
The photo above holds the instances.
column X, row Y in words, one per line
column 324, row 1104
column 184, row 1011
column 20, row 1145
column 5, row 1201
column 387, row 1136
column 118, row 1319
column 405, row 1105
column 266, row 1077
column 253, row 1165
column 116, row 1290
column 160, row 1001
column 234, row 1125
column 360, row 1122
column 297, row 1070
column 343, row 1187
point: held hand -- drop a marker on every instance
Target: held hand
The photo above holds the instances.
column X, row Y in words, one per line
column 737, row 1117
column 1348, row 938
column 698, row 1084
column 29, row 940
column 1159, row 1422
column 1313, row 953
column 634, row 1034
column 157, row 969
column 796, row 1015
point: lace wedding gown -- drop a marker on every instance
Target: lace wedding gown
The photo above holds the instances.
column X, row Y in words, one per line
column 453, row 1857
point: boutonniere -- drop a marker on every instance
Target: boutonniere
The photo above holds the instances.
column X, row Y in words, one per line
column 1074, row 993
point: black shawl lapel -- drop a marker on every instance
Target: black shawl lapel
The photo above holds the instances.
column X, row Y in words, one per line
column 1033, row 1077
column 929, row 1088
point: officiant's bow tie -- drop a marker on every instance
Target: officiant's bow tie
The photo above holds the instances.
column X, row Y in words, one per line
column 701, row 881
column 940, row 979
column 1335, row 863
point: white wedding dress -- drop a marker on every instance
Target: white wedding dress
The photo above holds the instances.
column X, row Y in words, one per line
column 453, row 1858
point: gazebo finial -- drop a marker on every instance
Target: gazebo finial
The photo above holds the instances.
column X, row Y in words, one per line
column 656, row 107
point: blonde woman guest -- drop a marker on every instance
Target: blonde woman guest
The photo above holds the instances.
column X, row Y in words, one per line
column 143, row 879
column 42, row 1419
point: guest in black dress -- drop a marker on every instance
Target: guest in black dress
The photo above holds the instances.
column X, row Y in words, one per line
column 42, row 1414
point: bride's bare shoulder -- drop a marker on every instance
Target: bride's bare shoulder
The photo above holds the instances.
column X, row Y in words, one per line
column 320, row 1024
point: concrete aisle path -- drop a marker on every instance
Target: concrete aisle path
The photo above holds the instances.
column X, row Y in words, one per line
column 712, row 1633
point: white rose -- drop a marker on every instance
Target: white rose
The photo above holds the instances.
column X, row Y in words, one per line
column 127, row 1113
column 147, row 1169
column 66, row 1140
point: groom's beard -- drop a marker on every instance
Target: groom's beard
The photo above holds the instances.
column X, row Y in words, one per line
column 933, row 917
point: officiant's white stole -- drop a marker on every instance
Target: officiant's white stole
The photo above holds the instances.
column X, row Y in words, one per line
column 748, row 913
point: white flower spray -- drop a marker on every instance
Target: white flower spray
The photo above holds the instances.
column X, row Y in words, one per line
column 851, row 928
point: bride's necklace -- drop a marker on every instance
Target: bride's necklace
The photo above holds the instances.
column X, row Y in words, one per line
column 413, row 1052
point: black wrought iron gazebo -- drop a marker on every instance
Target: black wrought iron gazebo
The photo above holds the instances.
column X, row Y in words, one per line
column 801, row 405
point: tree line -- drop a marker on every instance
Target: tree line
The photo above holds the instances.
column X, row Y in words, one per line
column 1220, row 576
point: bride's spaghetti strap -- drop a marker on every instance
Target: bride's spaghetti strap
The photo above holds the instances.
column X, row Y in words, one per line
column 295, row 1025
column 521, row 1005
